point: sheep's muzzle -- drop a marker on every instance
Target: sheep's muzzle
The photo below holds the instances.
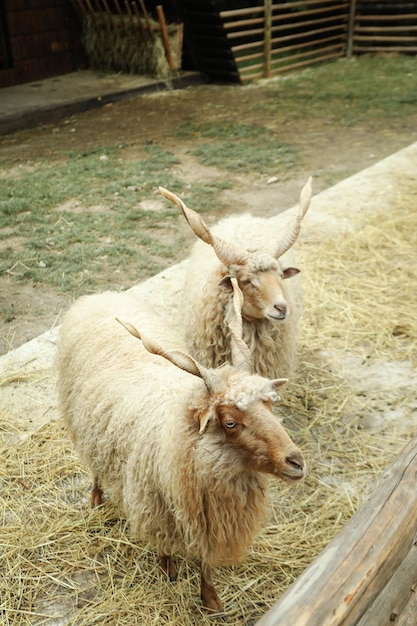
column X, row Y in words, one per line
column 294, row 467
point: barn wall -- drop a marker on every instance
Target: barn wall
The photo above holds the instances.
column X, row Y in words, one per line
column 38, row 39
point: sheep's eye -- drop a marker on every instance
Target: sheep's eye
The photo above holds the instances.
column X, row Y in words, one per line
column 245, row 281
column 229, row 424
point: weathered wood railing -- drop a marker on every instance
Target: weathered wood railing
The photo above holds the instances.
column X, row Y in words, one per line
column 274, row 37
column 367, row 574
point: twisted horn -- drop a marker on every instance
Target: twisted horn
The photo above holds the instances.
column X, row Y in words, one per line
column 289, row 233
column 241, row 355
column 182, row 360
column 195, row 222
column 227, row 252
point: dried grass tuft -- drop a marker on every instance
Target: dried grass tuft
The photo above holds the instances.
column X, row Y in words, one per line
column 65, row 563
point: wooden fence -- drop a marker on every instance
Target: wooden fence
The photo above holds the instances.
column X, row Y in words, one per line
column 276, row 37
column 384, row 26
column 367, row 575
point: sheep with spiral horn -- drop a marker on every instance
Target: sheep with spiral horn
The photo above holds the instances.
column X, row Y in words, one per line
column 174, row 444
column 242, row 247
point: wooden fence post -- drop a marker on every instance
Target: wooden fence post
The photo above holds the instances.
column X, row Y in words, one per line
column 368, row 571
column 267, row 37
column 351, row 28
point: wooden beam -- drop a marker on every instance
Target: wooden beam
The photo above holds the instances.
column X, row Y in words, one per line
column 343, row 582
column 351, row 29
column 267, row 38
column 164, row 36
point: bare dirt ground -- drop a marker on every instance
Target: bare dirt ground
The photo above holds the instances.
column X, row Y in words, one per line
column 328, row 151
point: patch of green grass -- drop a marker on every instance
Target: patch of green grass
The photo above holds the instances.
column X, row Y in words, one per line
column 81, row 218
column 94, row 177
column 205, row 198
column 348, row 90
column 240, row 147
column 75, row 223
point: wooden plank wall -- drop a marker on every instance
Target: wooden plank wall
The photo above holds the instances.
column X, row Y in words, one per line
column 274, row 37
column 43, row 39
column 385, row 26
column 281, row 36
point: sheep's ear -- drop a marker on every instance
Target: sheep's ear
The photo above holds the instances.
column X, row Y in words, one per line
column 226, row 283
column 205, row 419
column 290, row 271
column 277, row 383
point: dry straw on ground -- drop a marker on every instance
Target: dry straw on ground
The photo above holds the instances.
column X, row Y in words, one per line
column 63, row 563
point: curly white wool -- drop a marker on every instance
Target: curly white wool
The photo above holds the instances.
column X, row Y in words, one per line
column 246, row 390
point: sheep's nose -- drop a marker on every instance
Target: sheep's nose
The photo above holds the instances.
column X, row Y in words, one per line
column 296, row 462
column 281, row 308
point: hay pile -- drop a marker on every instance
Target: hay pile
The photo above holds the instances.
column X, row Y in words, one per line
column 63, row 563
column 119, row 45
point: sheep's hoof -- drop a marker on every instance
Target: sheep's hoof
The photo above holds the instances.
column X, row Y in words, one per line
column 211, row 600
column 168, row 568
column 96, row 495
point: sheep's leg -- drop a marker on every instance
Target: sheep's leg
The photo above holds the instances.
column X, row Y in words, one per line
column 168, row 567
column 209, row 596
column 96, row 493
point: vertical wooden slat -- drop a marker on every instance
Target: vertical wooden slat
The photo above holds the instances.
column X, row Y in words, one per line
column 143, row 30
column 351, row 28
column 130, row 14
column 107, row 21
column 267, row 36
column 164, row 36
column 121, row 16
column 147, row 18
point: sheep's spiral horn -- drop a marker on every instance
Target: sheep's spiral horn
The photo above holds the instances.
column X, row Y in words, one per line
column 227, row 252
column 290, row 232
column 241, row 355
column 181, row 359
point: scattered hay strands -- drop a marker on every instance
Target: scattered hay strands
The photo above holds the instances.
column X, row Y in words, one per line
column 364, row 300
column 65, row 563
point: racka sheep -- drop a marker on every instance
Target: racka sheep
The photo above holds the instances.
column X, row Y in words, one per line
column 183, row 451
column 241, row 247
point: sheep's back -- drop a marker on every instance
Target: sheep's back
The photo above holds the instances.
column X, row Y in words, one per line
column 127, row 412
column 109, row 386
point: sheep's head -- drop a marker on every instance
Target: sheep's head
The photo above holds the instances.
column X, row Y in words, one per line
column 258, row 440
column 259, row 273
column 261, row 280
column 239, row 405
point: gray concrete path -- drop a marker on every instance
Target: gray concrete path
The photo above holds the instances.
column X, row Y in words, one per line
column 31, row 104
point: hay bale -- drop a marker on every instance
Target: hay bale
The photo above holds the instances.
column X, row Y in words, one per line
column 117, row 43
